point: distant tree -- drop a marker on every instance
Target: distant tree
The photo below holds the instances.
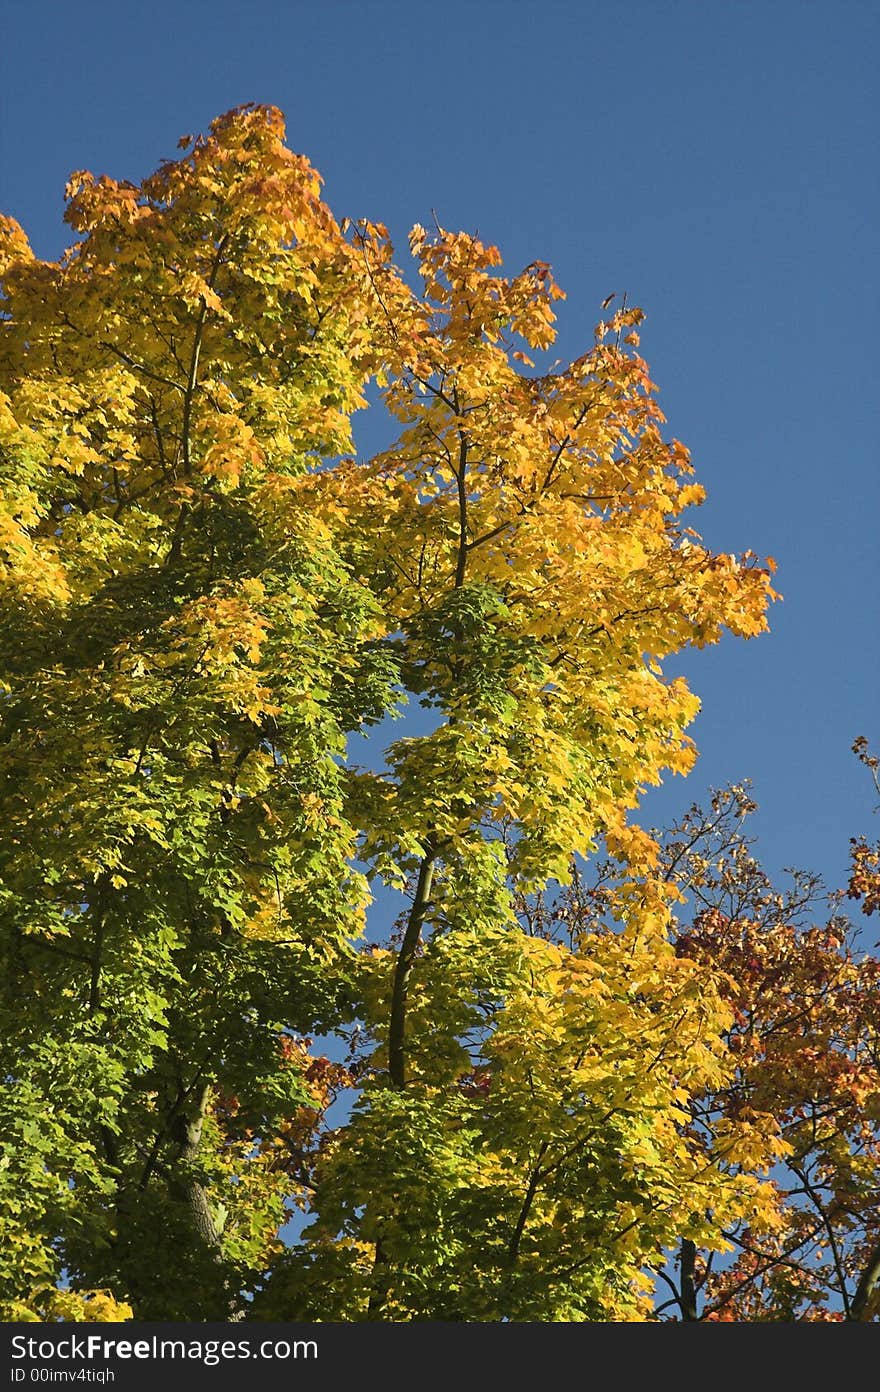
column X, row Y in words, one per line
column 203, row 597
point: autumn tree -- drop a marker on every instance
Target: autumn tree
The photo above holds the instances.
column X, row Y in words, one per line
column 204, row 595
column 800, row 1108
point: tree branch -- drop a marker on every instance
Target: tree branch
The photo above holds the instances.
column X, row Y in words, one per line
column 687, row 1259
column 460, row 479
column 405, row 960
column 531, row 1191
column 193, row 374
column 859, row 1307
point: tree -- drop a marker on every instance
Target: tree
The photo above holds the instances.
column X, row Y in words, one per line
column 205, row 596
column 799, row 1109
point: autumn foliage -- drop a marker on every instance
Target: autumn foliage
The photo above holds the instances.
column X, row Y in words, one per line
column 587, row 1064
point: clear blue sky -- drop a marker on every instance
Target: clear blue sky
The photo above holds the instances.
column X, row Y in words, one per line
column 716, row 160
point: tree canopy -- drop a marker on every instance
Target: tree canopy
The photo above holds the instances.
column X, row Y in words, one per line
column 553, row 1097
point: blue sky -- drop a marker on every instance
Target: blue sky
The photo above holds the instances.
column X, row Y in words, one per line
column 715, row 160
